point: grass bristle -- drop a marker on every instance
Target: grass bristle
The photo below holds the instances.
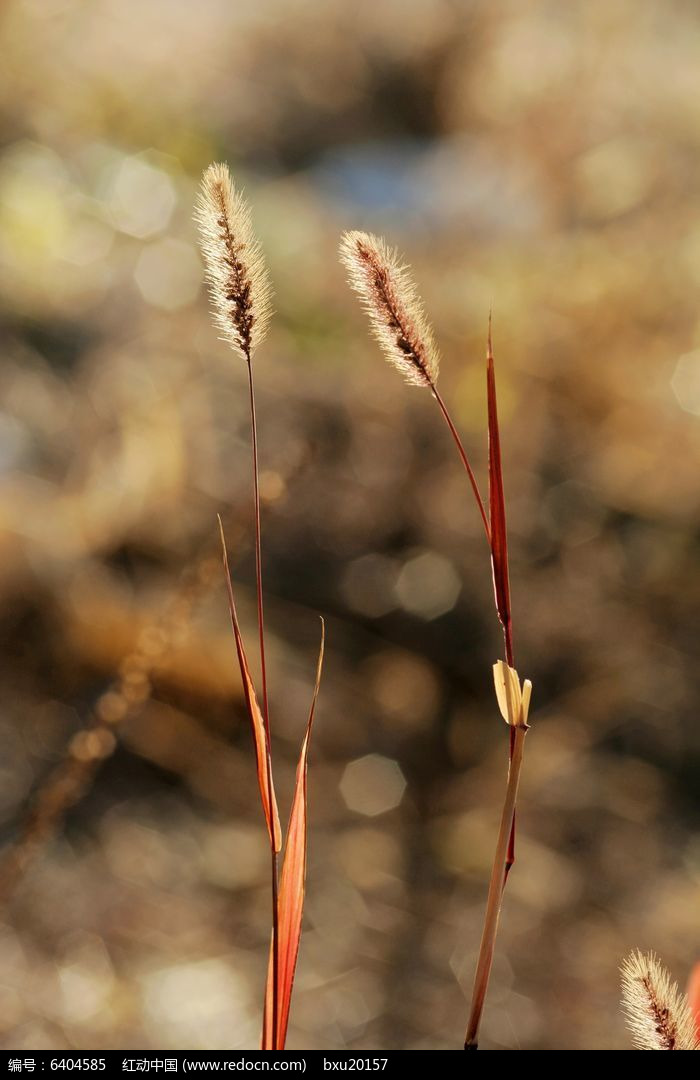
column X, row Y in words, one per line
column 657, row 1013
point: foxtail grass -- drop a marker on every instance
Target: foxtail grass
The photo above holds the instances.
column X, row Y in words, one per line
column 399, row 324
column 239, row 283
column 240, row 292
column 658, row 1014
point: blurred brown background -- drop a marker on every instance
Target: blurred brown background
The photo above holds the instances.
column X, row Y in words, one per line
column 539, row 158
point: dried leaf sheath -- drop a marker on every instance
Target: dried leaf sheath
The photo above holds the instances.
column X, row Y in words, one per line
column 239, row 285
column 291, row 891
column 395, row 310
column 260, row 735
column 657, row 1013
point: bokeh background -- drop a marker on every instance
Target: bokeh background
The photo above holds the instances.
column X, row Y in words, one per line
column 540, row 159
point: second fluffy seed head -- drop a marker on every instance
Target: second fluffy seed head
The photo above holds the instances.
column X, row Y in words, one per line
column 395, row 310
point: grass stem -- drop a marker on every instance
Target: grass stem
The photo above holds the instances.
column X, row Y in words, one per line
column 465, row 460
column 265, row 705
column 496, row 884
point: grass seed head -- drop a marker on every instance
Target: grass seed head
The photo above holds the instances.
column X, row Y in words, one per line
column 657, row 1013
column 239, row 284
column 395, row 310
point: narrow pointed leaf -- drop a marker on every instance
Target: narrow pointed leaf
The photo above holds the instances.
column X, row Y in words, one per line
column 497, row 512
column 260, row 735
column 694, row 995
column 291, row 891
column 499, row 543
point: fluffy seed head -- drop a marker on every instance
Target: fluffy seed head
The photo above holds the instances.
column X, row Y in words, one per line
column 657, row 1013
column 239, row 285
column 395, row 310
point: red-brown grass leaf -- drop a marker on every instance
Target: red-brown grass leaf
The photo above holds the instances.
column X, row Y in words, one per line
column 497, row 512
column 260, row 735
column 499, row 541
column 694, row 995
column 291, row 890
column 267, row 1039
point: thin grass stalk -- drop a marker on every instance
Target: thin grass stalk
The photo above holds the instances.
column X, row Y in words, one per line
column 274, row 867
column 495, row 896
column 465, row 460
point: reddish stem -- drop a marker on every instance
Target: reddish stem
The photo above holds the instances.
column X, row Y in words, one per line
column 495, row 897
column 266, row 711
column 465, row 460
